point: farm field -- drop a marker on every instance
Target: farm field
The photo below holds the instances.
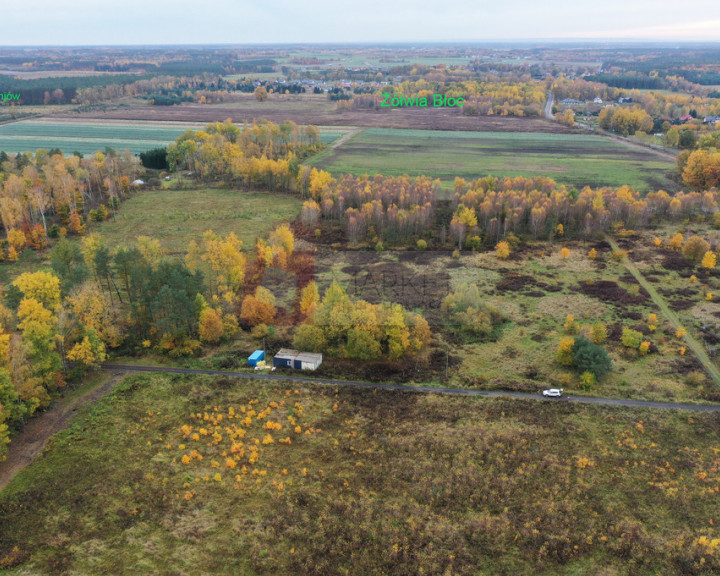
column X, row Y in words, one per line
column 573, row 159
column 428, row 483
column 318, row 110
column 89, row 137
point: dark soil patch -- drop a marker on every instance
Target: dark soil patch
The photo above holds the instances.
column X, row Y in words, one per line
column 397, row 282
column 675, row 261
column 519, row 282
column 688, row 363
column 421, row 258
column 681, row 305
column 614, row 331
column 610, row 292
column 711, row 336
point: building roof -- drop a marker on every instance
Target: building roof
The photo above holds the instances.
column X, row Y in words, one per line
column 257, row 354
column 287, row 353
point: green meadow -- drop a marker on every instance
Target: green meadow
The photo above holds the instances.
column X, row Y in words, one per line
column 572, row 159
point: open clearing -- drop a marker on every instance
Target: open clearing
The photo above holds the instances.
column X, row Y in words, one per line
column 536, row 290
column 187, row 214
column 573, row 159
column 425, row 483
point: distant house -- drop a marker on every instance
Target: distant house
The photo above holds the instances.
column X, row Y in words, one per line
column 711, row 119
column 286, row 358
column 571, row 102
column 624, row 100
column 597, row 100
column 138, row 182
column 686, row 118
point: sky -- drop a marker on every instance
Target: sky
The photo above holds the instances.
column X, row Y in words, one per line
column 123, row 22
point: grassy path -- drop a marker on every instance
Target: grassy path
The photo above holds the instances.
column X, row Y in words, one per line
column 31, row 441
column 692, row 342
column 345, row 137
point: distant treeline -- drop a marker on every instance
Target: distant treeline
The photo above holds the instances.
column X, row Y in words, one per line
column 703, row 77
column 629, row 81
column 34, row 91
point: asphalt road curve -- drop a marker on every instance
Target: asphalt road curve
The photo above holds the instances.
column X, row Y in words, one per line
column 414, row 388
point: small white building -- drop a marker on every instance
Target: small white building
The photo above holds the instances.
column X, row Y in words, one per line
column 597, row 100
column 286, row 358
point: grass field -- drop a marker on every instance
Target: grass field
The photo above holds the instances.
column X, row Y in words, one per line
column 372, row 483
column 574, row 159
column 186, row 214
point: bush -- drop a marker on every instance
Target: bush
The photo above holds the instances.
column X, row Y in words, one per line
column 54, row 231
column 695, row 248
column 631, row 338
column 155, row 158
column 619, row 255
column 474, row 243
column 564, row 354
column 468, row 313
column 589, row 357
column 421, row 245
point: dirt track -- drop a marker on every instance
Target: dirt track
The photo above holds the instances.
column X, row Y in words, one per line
column 29, row 444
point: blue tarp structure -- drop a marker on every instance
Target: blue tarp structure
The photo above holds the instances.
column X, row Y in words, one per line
column 256, row 357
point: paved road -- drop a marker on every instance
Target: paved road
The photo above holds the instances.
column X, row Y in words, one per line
column 415, row 388
column 548, row 107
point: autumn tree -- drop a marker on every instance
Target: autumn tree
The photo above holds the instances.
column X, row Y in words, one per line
column 358, row 329
column 41, row 286
column 463, row 221
column 261, row 94
column 598, row 333
column 221, row 260
column 150, row 249
column 709, row 260
column 258, row 308
column 90, row 351
column 93, row 311
column 676, row 242
column 564, row 354
column 502, row 250
column 309, row 298
column 695, row 248
column 310, row 214
column 210, row 326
